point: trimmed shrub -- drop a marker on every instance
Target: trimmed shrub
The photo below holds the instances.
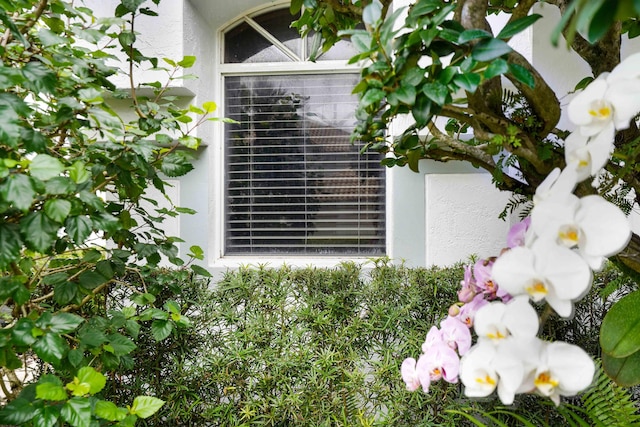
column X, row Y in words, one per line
column 320, row 347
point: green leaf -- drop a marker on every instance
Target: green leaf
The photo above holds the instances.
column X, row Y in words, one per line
column 468, row 82
column 625, row 371
column 45, row 167
column 422, row 111
column 10, row 243
column 372, row 96
column 190, row 141
column 17, row 412
column 210, row 106
column 57, row 209
column 372, row 13
column 39, row 77
column 413, row 157
column 200, row 270
column 496, row 68
column 126, row 39
column 620, row 330
column 92, row 336
column 121, row 345
column 473, row 34
column 95, row 379
column 39, row 231
column 145, row 406
column 489, row 49
column 18, row 190
column 15, row 31
column 46, row 416
column 51, row 391
column 51, row 348
column 91, row 279
column 362, row 41
column 63, row 323
column 78, row 172
column 175, row 165
column 109, row 411
column 521, row 74
column 161, row 329
column 22, row 332
column 75, row 356
column 78, row 228
column 49, row 38
column 78, row 388
column 172, row 306
column 437, row 92
column 187, row 61
column 77, row 412
column 65, row 292
column 405, row 94
column 517, row 26
column 60, row 185
column 143, row 299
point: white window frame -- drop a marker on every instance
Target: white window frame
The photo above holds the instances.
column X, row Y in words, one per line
column 217, row 259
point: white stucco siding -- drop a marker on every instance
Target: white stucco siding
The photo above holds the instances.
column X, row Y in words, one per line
column 462, row 217
column 157, row 36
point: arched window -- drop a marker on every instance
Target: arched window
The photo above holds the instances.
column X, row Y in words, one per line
column 295, row 184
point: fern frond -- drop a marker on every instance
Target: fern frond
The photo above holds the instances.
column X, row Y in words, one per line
column 610, row 404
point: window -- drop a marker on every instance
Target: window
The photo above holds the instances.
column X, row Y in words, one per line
column 295, row 184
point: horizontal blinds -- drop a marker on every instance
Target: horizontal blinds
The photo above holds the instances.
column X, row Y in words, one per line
column 295, row 184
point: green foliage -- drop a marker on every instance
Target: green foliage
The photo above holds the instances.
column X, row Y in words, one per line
column 619, row 340
column 592, row 19
column 609, row 404
column 76, row 216
column 274, row 347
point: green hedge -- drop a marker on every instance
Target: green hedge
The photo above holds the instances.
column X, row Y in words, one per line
column 314, row 347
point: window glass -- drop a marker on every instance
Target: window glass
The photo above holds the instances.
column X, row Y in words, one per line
column 244, row 44
column 295, row 182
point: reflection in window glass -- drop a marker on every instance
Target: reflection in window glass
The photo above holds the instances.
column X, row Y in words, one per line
column 245, row 44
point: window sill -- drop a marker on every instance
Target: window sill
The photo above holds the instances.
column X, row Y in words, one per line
column 233, row 262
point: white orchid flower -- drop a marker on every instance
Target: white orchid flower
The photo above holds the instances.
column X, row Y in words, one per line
column 587, row 155
column 497, row 321
column 544, row 271
column 486, row 368
column 558, row 183
column 595, row 226
column 606, row 100
column 628, row 69
column 563, row 370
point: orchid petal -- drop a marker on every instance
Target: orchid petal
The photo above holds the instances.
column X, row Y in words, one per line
column 606, row 228
column 625, row 97
column 476, row 371
column 513, row 269
column 573, row 367
column 578, row 108
column 566, row 271
column 629, row 68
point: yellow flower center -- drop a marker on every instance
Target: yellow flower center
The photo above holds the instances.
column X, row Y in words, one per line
column 601, row 113
column 537, row 289
column 569, row 236
column 486, row 380
column 497, row 335
column 436, row 374
column 545, row 383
